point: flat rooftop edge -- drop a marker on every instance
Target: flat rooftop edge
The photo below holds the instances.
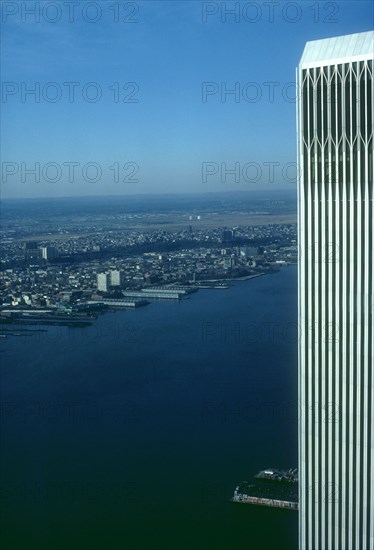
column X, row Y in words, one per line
column 338, row 49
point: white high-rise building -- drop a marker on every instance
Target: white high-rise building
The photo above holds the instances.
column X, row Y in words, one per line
column 116, row 277
column 103, row 282
column 49, row 252
column 336, row 272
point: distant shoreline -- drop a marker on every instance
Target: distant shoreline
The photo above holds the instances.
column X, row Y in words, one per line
column 86, row 321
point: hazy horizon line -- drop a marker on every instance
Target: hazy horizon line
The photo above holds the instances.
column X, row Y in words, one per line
column 160, row 194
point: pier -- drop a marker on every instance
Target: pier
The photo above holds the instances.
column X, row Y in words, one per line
column 122, row 303
column 271, row 487
column 272, row 502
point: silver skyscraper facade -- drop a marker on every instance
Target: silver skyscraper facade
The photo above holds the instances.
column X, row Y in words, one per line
column 336, row 246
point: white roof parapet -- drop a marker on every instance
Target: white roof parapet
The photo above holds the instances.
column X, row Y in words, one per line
column 339, row 49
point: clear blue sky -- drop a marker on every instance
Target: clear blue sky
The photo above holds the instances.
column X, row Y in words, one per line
column 169, row 51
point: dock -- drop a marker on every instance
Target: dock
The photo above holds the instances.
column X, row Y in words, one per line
column 161, row 292
column 270, row 487
column 123, row 303
column 272, row 502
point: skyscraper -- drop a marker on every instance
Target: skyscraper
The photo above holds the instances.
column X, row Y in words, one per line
column 336, row 381
column 49, row 252
column 103, row 282
column 116, row 277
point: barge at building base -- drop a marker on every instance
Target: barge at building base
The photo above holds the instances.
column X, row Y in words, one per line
column 274, row 488
column 273, row 503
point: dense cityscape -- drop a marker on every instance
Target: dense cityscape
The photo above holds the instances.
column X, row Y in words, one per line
column 65, row 270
